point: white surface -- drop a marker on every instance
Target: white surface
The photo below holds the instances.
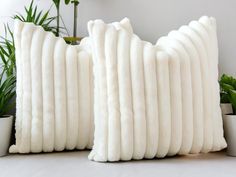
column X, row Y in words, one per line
column 72, row 164
column 144, row 110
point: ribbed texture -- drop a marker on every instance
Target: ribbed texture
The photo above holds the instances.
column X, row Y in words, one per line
column 54, row 92
column 155, row 100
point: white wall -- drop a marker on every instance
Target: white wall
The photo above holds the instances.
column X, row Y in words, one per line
column 151, row 18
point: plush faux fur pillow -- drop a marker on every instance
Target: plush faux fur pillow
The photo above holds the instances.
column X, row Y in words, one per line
column 155, row 100
column 54, row 91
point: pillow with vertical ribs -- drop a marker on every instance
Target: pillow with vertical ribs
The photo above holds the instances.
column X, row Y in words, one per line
column 54, row 109
column 155, row 100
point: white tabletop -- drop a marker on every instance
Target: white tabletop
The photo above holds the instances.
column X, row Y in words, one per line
column 71, row 164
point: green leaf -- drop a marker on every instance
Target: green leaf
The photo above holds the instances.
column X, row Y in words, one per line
column 57, row 3
column 7, row 93
column 232, row 99
column 44, row 18
column 41, row 18
column 224, row 98
column 67, row 1
column 37, row 18
column 226, row 87
column 228, row 90
column 7, row 71
column 228, row 80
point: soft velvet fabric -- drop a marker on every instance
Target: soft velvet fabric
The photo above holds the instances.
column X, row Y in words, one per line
column 155, row 100
column 55, row 98
column 54, row 92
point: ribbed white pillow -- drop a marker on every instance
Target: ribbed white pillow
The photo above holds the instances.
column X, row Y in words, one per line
column 155, row 100
column 54, row 91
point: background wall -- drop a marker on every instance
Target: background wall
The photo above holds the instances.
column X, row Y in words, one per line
column 150, row 18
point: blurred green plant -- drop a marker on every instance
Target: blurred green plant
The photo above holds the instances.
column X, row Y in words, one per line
column 7, row 93
column 57, row 5
column 228, row 90
column 7, row 54
column 7, row 51
column 7, row 72
column 38, row 17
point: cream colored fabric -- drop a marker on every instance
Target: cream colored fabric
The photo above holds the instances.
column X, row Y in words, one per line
column 55, row 98
column 54, row 92
column 155, row 100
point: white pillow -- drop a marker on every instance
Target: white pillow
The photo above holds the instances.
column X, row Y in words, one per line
column 54, row 92
column 155, row 100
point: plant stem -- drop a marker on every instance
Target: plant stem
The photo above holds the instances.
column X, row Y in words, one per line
column 58, row 21
column 75, row 21
column 64, row 26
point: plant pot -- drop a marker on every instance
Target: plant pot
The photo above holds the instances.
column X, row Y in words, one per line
column 5, row 134
column 226, row 108
column 73, row 40
column 230, row 133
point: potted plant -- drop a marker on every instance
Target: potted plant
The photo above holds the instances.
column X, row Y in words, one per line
column 228, row 94
column 7, row 92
